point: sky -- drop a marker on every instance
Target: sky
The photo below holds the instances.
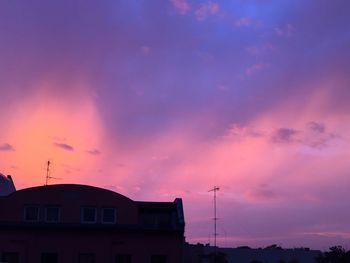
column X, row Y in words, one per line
column 169, row 98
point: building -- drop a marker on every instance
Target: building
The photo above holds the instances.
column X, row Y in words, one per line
column 6, row 185
column 80, row 223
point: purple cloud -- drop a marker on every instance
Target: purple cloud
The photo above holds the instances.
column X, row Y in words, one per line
column 285, row 31
column 206, row 10
column 262, row 194
column 256, row 68
column 94, row 152
column 182, row 6
column 64, row 146
column 284, row 135
column 247, row 22
column 6, row 147
column 317, row 127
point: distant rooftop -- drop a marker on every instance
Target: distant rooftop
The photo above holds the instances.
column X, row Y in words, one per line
column 6, row 185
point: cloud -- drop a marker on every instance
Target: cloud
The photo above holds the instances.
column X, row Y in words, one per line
column 64, row 146
column 255, row 68
column 247, row 22
column 244, row 131
column 317, row 127
column 317, row 137
column 262, row 193
column 321, row 142
column 94, row 152
column 182, row 6
column 260, row 50
column 145, row 50
column 6, row 147
column 206, row 10
column 285, row 135
column 285, row 31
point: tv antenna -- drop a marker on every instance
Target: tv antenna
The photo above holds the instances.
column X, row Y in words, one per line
column 48, row 176
column 215, row 189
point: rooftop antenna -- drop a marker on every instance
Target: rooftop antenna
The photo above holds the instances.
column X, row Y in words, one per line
column 48, row 177
column 215, row 189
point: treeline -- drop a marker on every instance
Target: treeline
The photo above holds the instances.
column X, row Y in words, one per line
column 335, row 254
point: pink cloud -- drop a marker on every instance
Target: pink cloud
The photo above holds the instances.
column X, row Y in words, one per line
column 64, row 146
column 285, row 31
column 145, row 50
column 6, row 147
column 247, row 22
column 182, row 6
column 260, row 50
column 255, row 68
column 206, row 10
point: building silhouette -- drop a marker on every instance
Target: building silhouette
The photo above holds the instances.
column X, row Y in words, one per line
column 80, row 223
column 6, row 185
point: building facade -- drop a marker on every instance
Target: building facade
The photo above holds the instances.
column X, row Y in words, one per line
column 80, row 223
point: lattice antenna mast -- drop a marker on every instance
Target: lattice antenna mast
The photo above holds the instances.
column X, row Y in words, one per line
column 48, row 176
column 215, row 189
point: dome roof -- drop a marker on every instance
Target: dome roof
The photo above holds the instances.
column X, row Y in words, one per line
column 6, row 185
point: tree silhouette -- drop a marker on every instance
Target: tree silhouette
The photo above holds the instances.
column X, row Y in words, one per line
column 336, row 254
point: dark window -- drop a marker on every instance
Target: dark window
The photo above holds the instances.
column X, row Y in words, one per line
column 52, row 214
column 88, row 215
column 148, row 220
column 156, row 219
column 123, row 258
column 108, row 215
column 87, row 258
column 158, row 259
column 49, row 258
column 31, row 213
column 10, row 257
column 164, row 220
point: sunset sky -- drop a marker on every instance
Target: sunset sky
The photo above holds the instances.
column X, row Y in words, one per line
column 158, row 99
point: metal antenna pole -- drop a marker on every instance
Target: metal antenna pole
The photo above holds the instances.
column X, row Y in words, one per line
column 215, row 189
column 48, row 177
column 47, row 172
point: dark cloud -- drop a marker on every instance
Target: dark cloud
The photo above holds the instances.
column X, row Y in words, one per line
column 94, row 152
column 320, row 142
column 262, row 194
column 317, row 127
column 64, row 146
column 6, row 147
column 317, row 136
column 285, row 135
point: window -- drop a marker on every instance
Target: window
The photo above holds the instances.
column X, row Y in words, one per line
column 158, row 259
column 52, row 214
column 49, row 258
column 31, row 213
column 10, row 257
column 88, row 215
column 108, row 215
column 156, row 219
column 87, row 258
column 163, row 220
column 123, row 258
